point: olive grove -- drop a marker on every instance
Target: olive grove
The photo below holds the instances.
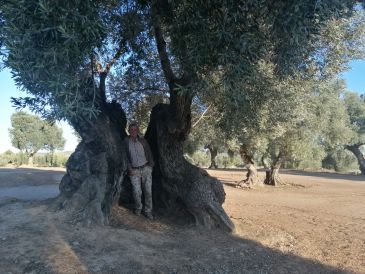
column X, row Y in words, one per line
column 80, row 60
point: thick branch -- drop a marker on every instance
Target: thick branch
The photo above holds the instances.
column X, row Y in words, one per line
column 102, row 85
column 161, row 46
column 355, row 149
column 127, row 89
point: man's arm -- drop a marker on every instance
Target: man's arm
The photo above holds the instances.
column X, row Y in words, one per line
column 148, row 152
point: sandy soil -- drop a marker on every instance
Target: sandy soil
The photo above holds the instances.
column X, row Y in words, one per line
column 315, row 224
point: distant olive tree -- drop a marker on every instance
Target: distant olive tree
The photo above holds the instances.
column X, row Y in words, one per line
column 29, row 133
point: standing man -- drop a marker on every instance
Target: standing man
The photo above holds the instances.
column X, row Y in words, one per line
column 140, row 164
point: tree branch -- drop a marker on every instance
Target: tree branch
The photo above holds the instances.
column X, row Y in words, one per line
column 201, row 117
column 161, row 46
column 115, row 58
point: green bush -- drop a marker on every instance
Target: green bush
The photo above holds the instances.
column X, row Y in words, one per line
column 9, row 157
column 58, row 159
column 199, row 158
column 341, row 161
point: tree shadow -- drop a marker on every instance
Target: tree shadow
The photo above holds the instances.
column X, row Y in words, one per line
column 21, row 176
column 329, row 175
column 321, row 174
column 184, row 250
column 141, row 246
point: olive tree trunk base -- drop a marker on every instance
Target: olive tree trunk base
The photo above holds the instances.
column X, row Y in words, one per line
column 96, row 169
column 355, row 149
column 252, row 178
column 272, row 177
column 180, row 187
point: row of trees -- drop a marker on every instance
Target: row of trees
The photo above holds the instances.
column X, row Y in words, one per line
column 48, row 159
column 257, row 63
column 332, row 120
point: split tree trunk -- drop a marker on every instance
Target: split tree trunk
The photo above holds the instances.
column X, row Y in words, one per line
column 180, row 187
column 252, row 178
column 96, row 169
column 272, row 175
column 213, row 155
column 355, row 149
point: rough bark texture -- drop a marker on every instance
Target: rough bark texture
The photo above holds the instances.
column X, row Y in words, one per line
column 182, row 188
column 272, row 175
column 213, row 154
column 355, row 149
column 252, row 178
column 95, row 170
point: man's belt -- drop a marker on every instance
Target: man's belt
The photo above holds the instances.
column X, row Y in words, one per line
column 140, row 167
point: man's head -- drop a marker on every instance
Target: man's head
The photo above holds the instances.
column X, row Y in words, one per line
column 133, row 129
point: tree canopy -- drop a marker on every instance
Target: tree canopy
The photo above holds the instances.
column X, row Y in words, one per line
column 64, row 43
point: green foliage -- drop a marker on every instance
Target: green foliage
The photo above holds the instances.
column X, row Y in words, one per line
column 355, row 107
column 341, row 161
column 199, row 158
column 52, row 47
column 48, row 46
column 58, row 159
column 260, row 66
column 30, row 134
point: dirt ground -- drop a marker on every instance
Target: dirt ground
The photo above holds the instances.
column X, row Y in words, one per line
column 314, row 224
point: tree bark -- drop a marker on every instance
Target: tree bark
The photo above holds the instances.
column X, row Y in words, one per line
column 213, row 154
column 95, row 171
column 31, row 159
column 355, row 149
column 252, row 174
column 179, row 187
column 272, row 175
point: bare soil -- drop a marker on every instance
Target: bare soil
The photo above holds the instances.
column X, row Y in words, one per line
column 314, row 224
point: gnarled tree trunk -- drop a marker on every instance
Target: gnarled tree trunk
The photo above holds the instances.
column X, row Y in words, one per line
column 272, row 175
column 178, row 186
column 355, row 149
column 213, row 154
column 95, row 170
column 252, row 178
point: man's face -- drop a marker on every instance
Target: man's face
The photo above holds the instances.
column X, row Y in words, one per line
column 133, row 131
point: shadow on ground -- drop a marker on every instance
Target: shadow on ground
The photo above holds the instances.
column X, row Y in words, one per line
column 321, row 174
column 28, row 184
column 51, row 246
column 29, row 177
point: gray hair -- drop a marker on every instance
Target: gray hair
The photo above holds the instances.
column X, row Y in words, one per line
column 133, row 124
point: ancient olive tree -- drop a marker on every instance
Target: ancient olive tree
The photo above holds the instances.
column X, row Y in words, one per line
column 355, row 107
column 61, row 53
column 273, row 114
column 29, row 134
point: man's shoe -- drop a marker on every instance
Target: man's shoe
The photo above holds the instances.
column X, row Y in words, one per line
column 148, row 215
column 137, row 212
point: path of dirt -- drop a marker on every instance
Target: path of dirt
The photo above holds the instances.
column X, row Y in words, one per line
column 314, row 225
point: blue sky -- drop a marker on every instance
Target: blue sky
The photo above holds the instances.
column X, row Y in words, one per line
column 7, row 90
column 355, row 79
